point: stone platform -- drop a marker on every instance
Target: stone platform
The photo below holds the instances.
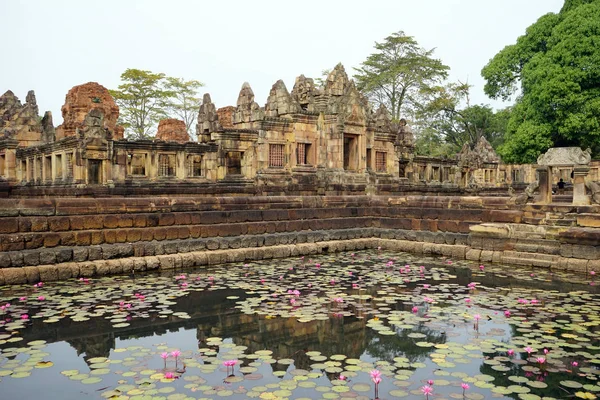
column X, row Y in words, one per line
column 61, row 238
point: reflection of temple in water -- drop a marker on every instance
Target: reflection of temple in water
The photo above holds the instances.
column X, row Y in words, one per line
column 212, row 314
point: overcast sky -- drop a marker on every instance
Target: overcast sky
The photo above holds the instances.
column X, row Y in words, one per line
column 51, row 46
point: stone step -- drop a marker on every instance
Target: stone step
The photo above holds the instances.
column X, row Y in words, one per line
column 533, row 220
column 533, row 262
column 529, row 256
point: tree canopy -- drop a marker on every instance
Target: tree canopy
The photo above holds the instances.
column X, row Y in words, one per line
column 556, row 66
column 445, row 125
column 397, row 72
column 145, row 97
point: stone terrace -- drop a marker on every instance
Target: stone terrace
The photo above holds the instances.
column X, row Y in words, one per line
column 61, row 238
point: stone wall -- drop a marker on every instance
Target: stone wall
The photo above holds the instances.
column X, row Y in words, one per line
column 47, row 239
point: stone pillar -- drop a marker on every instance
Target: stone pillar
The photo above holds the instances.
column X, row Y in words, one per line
column 545, row 187
column 579, row 196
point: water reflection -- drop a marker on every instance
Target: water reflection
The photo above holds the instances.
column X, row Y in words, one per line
column 344, row 328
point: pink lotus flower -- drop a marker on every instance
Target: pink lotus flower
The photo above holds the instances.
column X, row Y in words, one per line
column 292, row 301
column 506, row 313
column 546, row 351
column 510, row 352
column 477, row 317
column 465, row 386
column 24, row 316
column 41, row 298
column 575, row 364
column 164, row 356
column 467, row 300
column 342, row 378
column 592, row 273
column 529, row 350
column 23, row 298
column 338, row 300
column 426, row 286
column 375, row 373
column 430, row 382
column 332, row 281
column 230, row 364
column 175, row 353
column 38, row 285
column 355, row 286
column 415, row 309
column 541, row 360
column 376, row 380
column 427, row 390
column 318, row 265
column 481, row 267
column 169, row 375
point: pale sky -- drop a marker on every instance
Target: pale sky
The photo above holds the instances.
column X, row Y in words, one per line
column 51, row 46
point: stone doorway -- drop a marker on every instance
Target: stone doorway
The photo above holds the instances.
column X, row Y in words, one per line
column 94, row 172
column 350, row 152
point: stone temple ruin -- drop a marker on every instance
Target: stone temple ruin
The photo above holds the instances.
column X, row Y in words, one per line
column 312, row 140
column 314, row 170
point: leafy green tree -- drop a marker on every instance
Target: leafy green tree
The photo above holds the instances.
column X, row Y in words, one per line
column 446, row 126
column 397, row 72
column 556, row 65
column 185, row 100
column 142, row 100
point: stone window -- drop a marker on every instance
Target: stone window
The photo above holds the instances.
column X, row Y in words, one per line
column 445, row 174
column 422, row 172
column 233, row 161
column 166, row 165
column 23, row 170
column 58, row 166
column 30, row 169
column 303, row 154
column 369, row 160
column 276, row 155
column 380, row 161
column 137, row 164
column 435, row 173
column 48, row 168
column 69, row 165
column 2, row 166
column 38, row 169
column 194, row 165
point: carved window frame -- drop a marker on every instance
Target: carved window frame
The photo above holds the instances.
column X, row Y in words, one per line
column 381, row 161
column 276, row 155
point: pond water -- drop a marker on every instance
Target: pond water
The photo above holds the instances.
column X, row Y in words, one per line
column 327, row 326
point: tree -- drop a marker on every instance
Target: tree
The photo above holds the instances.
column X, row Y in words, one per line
column 397, row 73
column 556, row 65
column 142, row 101
column 446, row 125
column 185, row 101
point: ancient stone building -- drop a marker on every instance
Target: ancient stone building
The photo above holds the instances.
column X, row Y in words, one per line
column 312, row 140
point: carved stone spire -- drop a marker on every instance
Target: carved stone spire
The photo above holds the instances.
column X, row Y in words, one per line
column 247, row 109
column 208, row 120
column 279, row 102
column 304, row 92
column 383, row 122
column 337, row 81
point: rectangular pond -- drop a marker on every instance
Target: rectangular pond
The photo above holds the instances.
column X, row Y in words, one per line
column 362, row 325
